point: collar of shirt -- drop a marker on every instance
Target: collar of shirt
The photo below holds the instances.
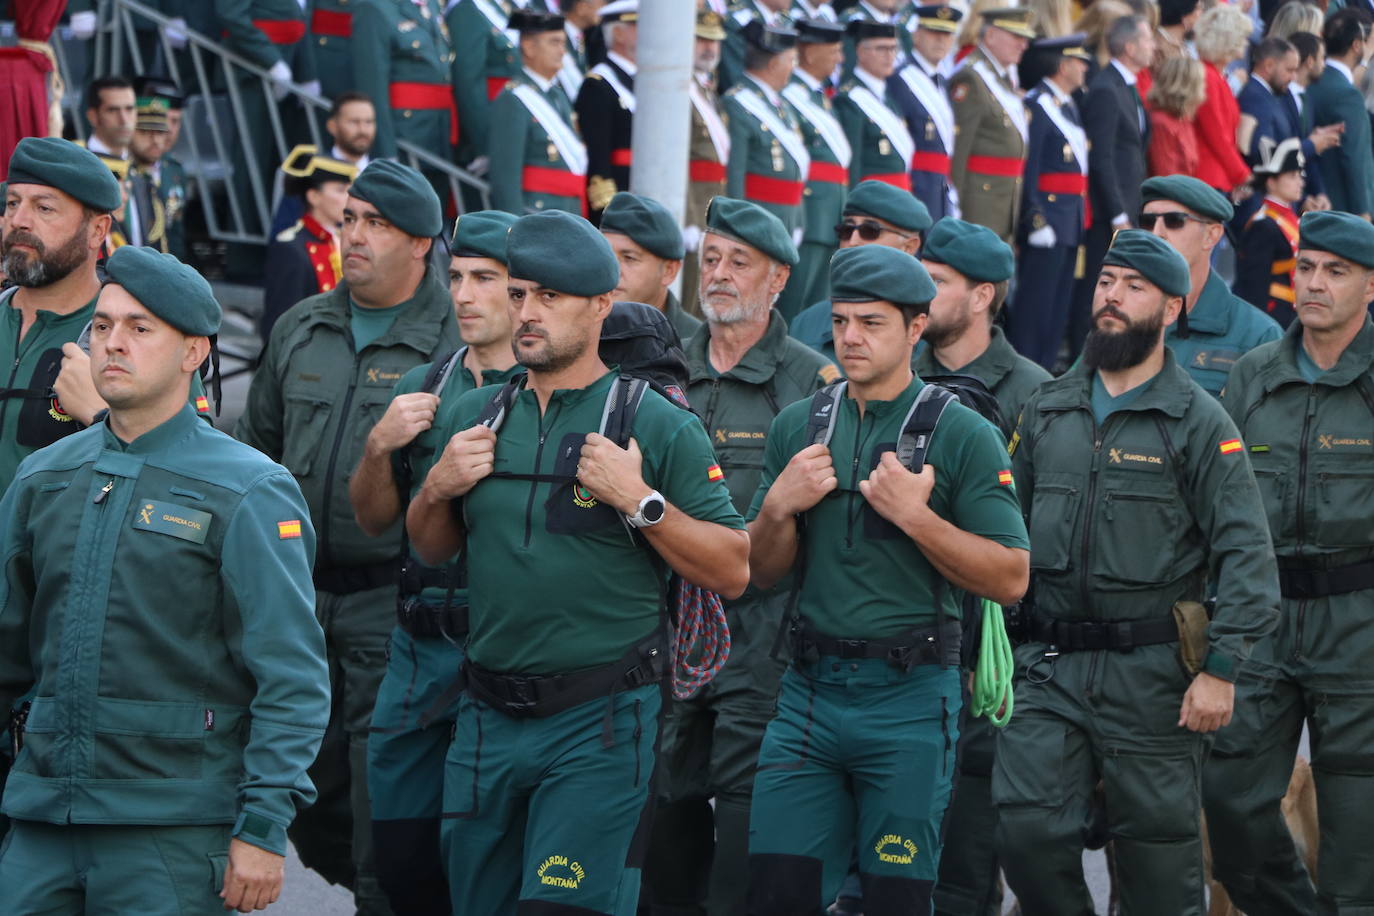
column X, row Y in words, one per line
column 574, row 35
column 1126, row 74
column 877, row 14
column 1295, row 90
column 94, row 144
column 768, row 91
column 1006, row 73
column 361, row 164
column 768, row 16
column 1263, row 85
column 627, row 65
column 811, row 82
column 543, row 84
column 929, row 69
column 1342, row 69
column 877, row 86
column 1060, row 95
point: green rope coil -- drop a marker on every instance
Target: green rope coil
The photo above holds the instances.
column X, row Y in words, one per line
column 992, row 690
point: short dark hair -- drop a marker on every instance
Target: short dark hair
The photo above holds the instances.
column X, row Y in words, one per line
column 909, row 311
column 98, row 86
column 1343, row 29
column 1271, row 48
column 343, row 98
column 1122, row 32
column 1306, row 44
column 1173, row 12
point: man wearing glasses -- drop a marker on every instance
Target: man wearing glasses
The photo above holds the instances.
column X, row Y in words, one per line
column 874, row 214
column 1215, row 328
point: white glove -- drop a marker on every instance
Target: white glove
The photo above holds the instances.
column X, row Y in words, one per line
column 312, row 87
column 797, row 236
column 176, row 33
column 83, row 25
column 691, row 237
column 1043, row 237
column 479, row 166
column 280, row 74
column 1121, row 221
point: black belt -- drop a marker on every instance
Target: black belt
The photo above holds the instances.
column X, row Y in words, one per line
column 937, row 644
column 1112, row 635
column 345, row 580
column 1309, row 581
column 429, row 621
column 416, row 577
column 539, row 696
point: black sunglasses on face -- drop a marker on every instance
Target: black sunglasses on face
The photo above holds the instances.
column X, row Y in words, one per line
column 1173, row 220
column 868, row 230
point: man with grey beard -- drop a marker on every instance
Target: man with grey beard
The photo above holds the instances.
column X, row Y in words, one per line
column 744, row 369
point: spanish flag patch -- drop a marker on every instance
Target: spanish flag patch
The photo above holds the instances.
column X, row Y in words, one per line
column 1229, row 446
column 202, row 404
column 1004, row 478
column 715, row 473
column 289, row 529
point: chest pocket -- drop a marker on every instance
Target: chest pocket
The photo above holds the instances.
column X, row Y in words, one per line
column 877, row 528
column 1139, row 526
column 1345, row 499
column 42, row 421
column 1054, row 512
column 570, row 508
column 306, row 416
column 416, row 44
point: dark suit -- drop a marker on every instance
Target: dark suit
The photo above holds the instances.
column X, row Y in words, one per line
column 1274, row 123
column 930, row 165
column 1113, row 115
column 1348, row 169
column 1044, row 287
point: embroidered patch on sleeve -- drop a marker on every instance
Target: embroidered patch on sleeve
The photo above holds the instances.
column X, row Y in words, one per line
column 289, row 529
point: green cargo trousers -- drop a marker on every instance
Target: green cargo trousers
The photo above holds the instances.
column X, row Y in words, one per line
column 97, row 870
column 699, row 863
column 331, row 837
column 406, row 745
column 541, row 816
column 1109, row 716
column 969, row 883
column 1316, row 667
column 859, row 754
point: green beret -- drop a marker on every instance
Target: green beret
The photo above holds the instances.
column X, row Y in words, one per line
column 561, row 251
column 647, row 222
column 482, row 234
column 1342, row 234
column 1194, row 194
column 888, row 202
column 1155, row 258
column 401, row 195
column 70, row 168
column 975, row 251
column 754, row 226
column 870, row 273
column 171, row 290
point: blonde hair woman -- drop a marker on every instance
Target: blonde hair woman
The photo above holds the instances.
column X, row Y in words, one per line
column 973, row 25
column 1094, row 22
column 1051, row 18
column 1296, row 16
column 1179, row 87
column 1221, row 37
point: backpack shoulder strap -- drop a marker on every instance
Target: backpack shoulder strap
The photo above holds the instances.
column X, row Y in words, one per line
column 825, row 410
column 440, row 370
column 622, row 403
column 925, row 413
column 493, row 416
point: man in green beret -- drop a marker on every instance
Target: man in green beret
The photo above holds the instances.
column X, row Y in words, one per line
column 177, row 671
column 875, row 213
column 647, row 242
column 1141, row 506
column 405, row 751
column 861, row 752
column 744, row 369
column 1215, row 328
column 544, row 811
column 1302, row 405
column 324, row 381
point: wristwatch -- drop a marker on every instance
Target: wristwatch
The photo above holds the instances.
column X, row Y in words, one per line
column 649, row 512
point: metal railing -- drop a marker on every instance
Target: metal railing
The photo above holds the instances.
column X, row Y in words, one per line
column 215, row 120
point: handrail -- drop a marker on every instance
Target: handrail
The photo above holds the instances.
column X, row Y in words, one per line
column 116, row 39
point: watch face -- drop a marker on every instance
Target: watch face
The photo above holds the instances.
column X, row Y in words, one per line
column 653, row 510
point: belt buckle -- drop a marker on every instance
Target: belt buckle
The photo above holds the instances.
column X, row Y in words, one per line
column 1094, row 634
column 523, row 692
column 851, row 648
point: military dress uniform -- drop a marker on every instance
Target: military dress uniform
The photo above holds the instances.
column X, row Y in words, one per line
column 177, row 673
column 605, row 112
column 538, row 159
column 819, row 11
column 302, row 261
column 331, row 31
column 863, row 12
column 827, row 181
column 1307, row 432
column 989, row 145
column 768, row 158
column 485, row 58
column 402, row 61
column 919, row 94
column 708, row 153
column 1133, row 504
column 172, row 190
column 1054, row 196
column 731, row 69
column 1265, row 258
column 877, row 133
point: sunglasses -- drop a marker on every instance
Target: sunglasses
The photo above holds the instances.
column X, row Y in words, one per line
column 868, row 230
column 1173, row 220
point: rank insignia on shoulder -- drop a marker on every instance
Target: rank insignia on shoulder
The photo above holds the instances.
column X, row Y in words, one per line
column 289, row 529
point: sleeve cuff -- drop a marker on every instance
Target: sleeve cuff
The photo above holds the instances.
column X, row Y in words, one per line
column 260, row 831
column 1222, row 666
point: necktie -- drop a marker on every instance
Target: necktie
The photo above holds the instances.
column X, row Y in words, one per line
column 1071, row 112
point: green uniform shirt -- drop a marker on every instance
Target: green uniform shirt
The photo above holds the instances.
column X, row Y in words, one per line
column 686, row 325
column 332, row 53
column 484, row 58
column 1307, row 368
column 755, row 151
column 1221, row 329
column 1010, row 377
column 1104, row 404
column 1132, row 515
column 516, row 142
column 822, row 201
column 814, row 327
column 178, row 670
column 865, row 579
column 366, row 325
column 395, row 41
column 315, row 397
column 555, row 582
column 1311, row 445
column 874, row 154
column 235, row 18
column 425, row 448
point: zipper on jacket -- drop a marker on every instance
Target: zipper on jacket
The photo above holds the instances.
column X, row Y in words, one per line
column 1302, row 501
column 14, row 369
column 326, row 557
column 104, row 492
column 534, row 484
column 854, row 480
column 1098, row 436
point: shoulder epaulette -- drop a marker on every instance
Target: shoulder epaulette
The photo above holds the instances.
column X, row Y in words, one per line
column 290, row 232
